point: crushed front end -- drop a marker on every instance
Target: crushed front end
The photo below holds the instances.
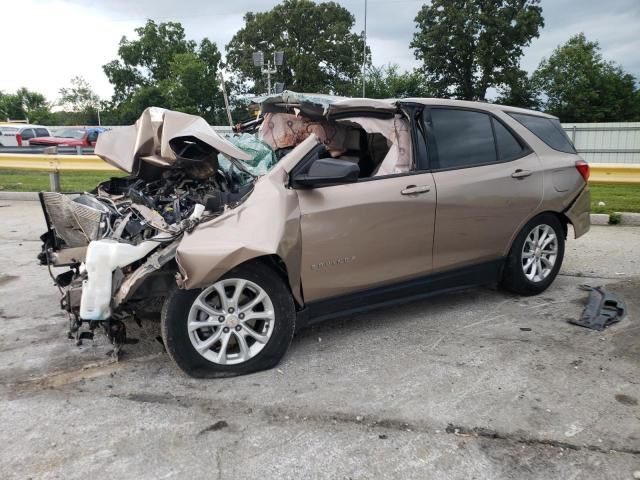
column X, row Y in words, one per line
column 118, row 243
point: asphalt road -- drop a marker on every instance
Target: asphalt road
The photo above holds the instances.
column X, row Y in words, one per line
column 474, row 385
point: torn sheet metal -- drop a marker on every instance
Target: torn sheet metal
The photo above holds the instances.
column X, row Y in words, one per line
column 319, row 104
column 152, row 139
column 603, row 309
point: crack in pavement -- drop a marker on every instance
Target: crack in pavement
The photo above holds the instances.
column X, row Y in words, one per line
column 279, row 414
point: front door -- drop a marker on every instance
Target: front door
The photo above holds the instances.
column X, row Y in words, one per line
column 370, row 233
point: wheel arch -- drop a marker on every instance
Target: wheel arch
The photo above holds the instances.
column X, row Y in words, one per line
column 278, row 265
column 562, row 218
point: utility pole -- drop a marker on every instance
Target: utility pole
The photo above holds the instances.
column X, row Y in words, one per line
column 226, row 99
column 364, row 50
column 269, row 69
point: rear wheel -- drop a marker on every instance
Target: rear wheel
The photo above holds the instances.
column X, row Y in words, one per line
column 241, row 324
column 536, row 256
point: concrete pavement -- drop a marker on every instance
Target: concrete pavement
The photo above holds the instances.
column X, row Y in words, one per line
column 480, row 384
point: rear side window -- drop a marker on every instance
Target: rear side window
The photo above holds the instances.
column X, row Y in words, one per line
column 27, row 134
column 548, row 130
column 508, row 146
column 42, row 132
column 463, row 138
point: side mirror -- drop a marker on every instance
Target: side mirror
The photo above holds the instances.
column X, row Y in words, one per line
column 327, row 171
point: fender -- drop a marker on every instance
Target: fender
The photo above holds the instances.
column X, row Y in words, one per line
column 266, row 223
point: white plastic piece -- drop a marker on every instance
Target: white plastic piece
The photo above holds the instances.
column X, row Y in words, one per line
column 102, row 258
column 198, row 210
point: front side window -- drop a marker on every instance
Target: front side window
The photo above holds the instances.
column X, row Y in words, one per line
column 93, row 136
column 42, row 132
column 463, row 138
column 546, row 129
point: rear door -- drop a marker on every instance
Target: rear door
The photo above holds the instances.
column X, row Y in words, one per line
column 488, row 183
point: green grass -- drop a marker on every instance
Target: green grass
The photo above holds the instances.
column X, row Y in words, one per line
column 616, row 197
column 32, row 181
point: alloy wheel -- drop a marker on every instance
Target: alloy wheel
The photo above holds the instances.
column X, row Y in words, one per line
column 231, row 321
column 539, row 253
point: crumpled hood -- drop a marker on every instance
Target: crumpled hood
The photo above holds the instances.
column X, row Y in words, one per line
column 149, row 140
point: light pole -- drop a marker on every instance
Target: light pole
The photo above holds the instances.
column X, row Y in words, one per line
column 268, row 69
column 364, row 50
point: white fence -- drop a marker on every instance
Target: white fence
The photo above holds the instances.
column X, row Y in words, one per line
column 617, row 142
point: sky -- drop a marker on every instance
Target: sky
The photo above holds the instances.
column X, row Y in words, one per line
column 47, row 42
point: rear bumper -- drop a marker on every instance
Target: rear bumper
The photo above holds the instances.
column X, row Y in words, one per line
column 579, row 213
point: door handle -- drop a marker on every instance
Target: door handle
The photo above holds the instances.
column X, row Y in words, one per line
column 519, row 173
column 415, row 190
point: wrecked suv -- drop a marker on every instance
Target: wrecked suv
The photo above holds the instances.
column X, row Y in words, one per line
column 320, row 206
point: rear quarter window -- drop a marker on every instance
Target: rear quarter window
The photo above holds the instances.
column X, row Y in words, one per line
column 548, row 130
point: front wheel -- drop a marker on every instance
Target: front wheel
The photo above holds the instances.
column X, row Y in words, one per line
column 241, row 324
column 535, row 257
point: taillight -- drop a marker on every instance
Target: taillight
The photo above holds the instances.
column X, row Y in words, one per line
column 19, row 139
column 583, row 169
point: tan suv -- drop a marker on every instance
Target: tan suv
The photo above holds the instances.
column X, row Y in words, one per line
column 321, row 206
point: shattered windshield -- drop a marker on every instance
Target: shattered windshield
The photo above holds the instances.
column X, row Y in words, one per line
column 262, row 159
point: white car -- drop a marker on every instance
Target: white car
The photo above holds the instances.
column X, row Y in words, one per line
column 19, row 134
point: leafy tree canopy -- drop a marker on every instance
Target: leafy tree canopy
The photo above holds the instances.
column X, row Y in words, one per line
column 79, row 97
column 161, row 67
column 25, row 105
column 578, row 85
column 467, row 46
column 322, row 54
column 519, row 91
column 389, row 82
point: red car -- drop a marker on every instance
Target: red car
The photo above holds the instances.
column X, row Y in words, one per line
column 71, row 137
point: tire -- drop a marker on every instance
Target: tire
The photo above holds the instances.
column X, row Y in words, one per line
column 519, row 275
column 185, row 308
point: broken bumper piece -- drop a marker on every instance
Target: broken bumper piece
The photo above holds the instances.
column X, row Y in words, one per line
column 603, row 309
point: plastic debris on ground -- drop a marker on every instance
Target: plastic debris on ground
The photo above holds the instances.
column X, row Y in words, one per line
column 603, row 309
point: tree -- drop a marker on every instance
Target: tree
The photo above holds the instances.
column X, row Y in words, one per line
column 25, row 105
column 163, row 67
column 79, row 102
column 519, row 91
column 388, row 82
column 578, row 85
column 322, row 54
column 467, row 46
column 79, row 97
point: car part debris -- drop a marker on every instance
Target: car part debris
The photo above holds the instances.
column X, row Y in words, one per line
column 603, row 309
